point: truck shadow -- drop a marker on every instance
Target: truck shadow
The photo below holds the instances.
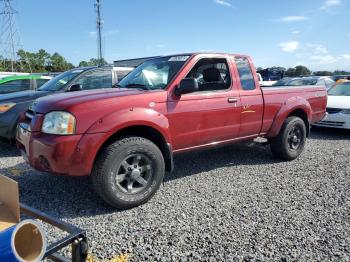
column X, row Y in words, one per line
column 67, row 197
column 61, row 197
column 323, row 133
column 248, row 153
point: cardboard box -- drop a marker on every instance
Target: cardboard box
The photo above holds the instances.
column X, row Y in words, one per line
column 9, row 203
column 20, row 241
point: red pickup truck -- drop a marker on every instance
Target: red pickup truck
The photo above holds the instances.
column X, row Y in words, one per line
column 124, row 138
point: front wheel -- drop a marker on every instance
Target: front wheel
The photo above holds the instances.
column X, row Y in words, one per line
column 128, row 172
column 290, row 141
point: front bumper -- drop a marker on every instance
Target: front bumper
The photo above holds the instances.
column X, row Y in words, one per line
column 71, row 155
column 336, row 120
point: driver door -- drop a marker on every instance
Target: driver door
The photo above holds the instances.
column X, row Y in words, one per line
column 210, row 115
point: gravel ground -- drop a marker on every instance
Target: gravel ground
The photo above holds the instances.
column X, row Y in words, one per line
column 230, row 204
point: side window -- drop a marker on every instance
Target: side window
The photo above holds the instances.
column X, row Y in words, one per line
column 245, row 73
column 15, row 86
column 40, row 82
column 212, row 74
column 96, row 79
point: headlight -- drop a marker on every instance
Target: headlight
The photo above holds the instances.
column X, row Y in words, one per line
column 346, row 111
column 6, row 107
column 58, row 123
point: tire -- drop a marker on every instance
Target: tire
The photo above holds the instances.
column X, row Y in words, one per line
column 290, row 141
column 128, row 172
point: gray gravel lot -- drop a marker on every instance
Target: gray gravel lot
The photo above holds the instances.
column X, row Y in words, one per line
column 230, row 204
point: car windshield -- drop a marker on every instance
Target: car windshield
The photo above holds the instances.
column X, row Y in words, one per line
column 59, row 81
column 340, row 90
column 282, row 82
column 154, row 74
column 303, row 82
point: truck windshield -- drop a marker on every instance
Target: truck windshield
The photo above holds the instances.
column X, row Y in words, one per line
column 59, row 81
column 154, row 74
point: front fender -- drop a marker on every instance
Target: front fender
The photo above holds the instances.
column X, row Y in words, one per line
column 116, row 121
column 292, row 104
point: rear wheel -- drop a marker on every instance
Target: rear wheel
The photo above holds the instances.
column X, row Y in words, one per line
column 128, row 172
column 290, row 141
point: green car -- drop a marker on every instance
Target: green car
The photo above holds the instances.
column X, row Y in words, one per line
column 17, row 83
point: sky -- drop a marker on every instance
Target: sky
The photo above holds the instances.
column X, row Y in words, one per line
column 314, row 33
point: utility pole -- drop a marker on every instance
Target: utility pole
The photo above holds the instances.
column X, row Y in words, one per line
column 99, row 31
column 10, row 40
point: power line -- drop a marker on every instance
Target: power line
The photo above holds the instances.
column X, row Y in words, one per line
column 10, row 40
column 99, row 23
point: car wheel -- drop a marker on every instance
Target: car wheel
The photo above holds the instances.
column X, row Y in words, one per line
column 290, row 141
column 128, row 172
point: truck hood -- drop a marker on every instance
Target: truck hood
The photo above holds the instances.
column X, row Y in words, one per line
column 341, row 102
column 23, row 96
column 65, row 101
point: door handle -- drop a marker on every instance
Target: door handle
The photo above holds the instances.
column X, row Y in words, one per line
column 232, row 100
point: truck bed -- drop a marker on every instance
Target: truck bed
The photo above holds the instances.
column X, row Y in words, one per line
column 277, row 96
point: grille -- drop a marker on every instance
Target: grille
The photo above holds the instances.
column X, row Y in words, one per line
column 333, row 110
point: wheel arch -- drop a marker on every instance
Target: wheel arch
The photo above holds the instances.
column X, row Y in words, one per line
column 297, row 106
column 146, row 132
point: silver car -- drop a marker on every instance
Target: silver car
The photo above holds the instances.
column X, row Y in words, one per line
column 325, row 81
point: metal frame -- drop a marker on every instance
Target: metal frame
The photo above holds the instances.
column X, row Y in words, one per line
column 76, row 238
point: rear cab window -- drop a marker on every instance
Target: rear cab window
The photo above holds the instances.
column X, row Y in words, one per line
column 245, row 73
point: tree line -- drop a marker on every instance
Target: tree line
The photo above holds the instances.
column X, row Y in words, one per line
column 304, row 71
column 42, row 62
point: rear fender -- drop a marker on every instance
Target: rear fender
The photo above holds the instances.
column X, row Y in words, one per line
column 292, row 104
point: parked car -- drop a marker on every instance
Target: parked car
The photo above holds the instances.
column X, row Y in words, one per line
column 283, row 81
column 264, row 83
column 271, row 74
column 4, row 74
column 125, row 138
column 325, row 81
column 338, row 107
column 11, row 105
column 341, row 78
column 11, row 84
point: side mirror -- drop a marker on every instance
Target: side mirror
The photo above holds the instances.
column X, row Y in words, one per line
column 187, row 85
column 76, row 87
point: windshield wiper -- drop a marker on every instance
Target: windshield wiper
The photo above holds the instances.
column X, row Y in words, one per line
column 144, row 87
